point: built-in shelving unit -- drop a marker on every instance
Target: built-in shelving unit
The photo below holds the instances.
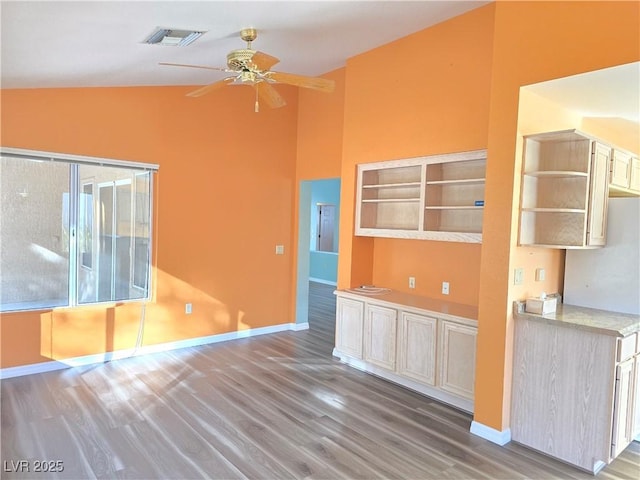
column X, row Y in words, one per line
column 564, row 190
column 439, row 197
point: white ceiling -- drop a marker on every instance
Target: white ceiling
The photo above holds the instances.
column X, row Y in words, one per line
column 610, row 92
column 98, row 43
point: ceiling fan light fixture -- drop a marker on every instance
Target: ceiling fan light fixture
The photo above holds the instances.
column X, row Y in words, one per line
column 173, row 37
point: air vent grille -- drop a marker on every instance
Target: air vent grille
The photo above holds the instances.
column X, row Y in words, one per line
column 173, row 37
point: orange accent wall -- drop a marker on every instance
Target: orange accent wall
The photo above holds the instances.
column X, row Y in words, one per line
column 533, row 42
column 431, row 263
column 320, row 130
column 319, row 145
column 224, row 199
column 427, row 93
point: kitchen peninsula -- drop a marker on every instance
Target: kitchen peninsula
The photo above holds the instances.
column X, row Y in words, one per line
column 576, row 383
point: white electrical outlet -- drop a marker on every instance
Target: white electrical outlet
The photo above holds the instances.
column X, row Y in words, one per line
column 445, row 288
column 412, row 282
column 279, row 249
column 540, row 275
column 188, row 308
column 518, row 276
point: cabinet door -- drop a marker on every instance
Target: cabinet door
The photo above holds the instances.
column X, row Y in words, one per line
column 635, row 424
column 417, row 347
column 380, row 336
column 457, row 358
column 623, row 405
column 620, row 169
column 349, row 326
column 599, row 195
column 634, row 183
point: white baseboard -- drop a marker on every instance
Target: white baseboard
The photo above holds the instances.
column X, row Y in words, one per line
column 320, row 280
column 496, row 436
column 132, row 352
column 296, row 327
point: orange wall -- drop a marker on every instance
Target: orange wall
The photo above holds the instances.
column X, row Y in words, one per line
column 576, row 37
column 424, row 94
column 320, row 129
column 319, row 145
column 224, row 199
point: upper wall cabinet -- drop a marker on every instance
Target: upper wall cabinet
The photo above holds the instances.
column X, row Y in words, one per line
column 440, row 197
column 624, row 180
column 565, row 189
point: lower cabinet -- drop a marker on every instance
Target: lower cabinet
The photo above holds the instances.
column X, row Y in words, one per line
column 430, row 352
column 635, row 418
column 417, row 347
column 622, row 408
column 380, row 336
column 575, row 392
column 458, row 354
column 349, row 326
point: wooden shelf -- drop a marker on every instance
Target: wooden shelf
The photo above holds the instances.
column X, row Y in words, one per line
column 391, row 200
column 555, row 210
column 454, row 207
column 556, row 174
column 431, row 198
column 393, row 185
column 464, row 181
column 564, row 190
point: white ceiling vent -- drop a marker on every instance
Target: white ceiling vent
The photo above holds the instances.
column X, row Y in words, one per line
column 172, row 37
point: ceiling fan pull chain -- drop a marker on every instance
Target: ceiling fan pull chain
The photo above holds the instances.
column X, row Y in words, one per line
column 257, row 107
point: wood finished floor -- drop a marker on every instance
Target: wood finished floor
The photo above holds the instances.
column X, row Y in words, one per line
column 274, row 406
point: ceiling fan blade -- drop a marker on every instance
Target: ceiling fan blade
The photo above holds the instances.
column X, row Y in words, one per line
column 263, row 61
column 315, row 83
column 269, row 95
column 211, row 87
column 219, row 69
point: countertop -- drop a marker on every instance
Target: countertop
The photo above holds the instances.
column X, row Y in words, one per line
column 393, row 299
column 571, row 316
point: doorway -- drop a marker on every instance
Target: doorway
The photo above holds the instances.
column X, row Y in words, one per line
column 318, row 230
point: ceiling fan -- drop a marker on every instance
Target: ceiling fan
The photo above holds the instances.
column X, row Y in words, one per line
column 251, row 67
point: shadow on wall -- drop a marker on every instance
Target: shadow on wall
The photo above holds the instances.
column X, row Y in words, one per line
column 67, row 333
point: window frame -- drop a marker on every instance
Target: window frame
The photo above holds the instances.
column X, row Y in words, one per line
column 76, row 188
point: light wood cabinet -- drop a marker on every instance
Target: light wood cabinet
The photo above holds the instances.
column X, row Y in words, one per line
column 457, row 358
column 349, row 326
column 564, row 193
column 413, row 341
column 380, row 336
column 573, row 394
column 620, row 169
column 623, row 407
column 635, row 417
column 439, row 197
column 417, row 347
column 624, row 179
column 634, row 182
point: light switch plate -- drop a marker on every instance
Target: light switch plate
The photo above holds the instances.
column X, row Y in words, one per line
column 279, row 249
column 518, row 276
